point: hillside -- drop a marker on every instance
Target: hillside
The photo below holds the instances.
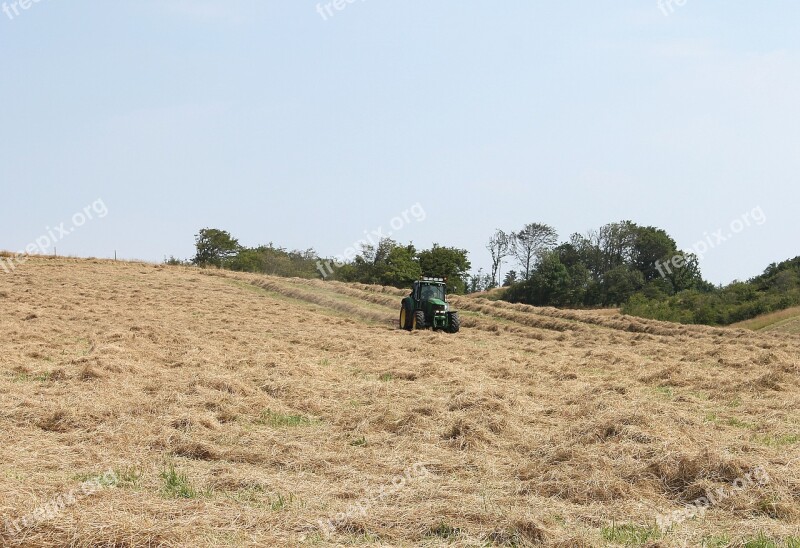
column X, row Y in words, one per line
column 216, row 408
column 783, row 321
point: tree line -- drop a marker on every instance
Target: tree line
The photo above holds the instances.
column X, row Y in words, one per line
column 621, row 264
column 386, row 263
column 776, row 289
column 604, row 267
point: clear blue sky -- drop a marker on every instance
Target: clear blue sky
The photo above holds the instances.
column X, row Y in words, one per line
column 265, row 119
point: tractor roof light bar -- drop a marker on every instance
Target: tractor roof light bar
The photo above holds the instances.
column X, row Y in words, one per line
column 427, row 279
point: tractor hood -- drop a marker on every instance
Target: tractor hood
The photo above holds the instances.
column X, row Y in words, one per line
column 436, row 302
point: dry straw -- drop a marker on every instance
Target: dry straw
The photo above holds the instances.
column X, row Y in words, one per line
column 238, row 410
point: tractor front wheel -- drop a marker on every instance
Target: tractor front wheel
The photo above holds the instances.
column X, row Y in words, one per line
column 455, row 323
column 419, row 319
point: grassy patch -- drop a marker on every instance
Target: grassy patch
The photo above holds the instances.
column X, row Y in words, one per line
column 665, row 391
column 176, row 484
column 769, row 507
column 771, row 320
column 386, row 377
column 281, row 502
column 772, row 440
column 249, row 495
column 129, row 476
column 104, row 480
column 629, row 533
column 761, row 541
column 444, row 530
column 25, row 377
column 733, row 421
column 360, row 442
column 717, row 541
column 283, row 420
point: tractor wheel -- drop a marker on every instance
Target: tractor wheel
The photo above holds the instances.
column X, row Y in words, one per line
column 455, row 323
column 419, row 319
column 406, row 320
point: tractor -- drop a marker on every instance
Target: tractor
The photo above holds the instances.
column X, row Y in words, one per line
column 427, row 306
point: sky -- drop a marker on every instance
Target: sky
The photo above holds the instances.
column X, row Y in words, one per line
column 127, row 126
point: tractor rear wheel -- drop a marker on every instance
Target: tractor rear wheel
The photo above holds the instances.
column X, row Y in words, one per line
column 406, row 319
column 455, row 323
column 419, row 317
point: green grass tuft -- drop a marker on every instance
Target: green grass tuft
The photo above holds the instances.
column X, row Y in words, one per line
column 629, row 533
column 281, row 503
column 360, row 442
column 129, row 476
column 763, row 541
column 665, row 391
column 733, row 421
column 444, row 530
column 176, row 485
column 772, row 440
column 717, row 541
column 283, row 420
column 25, row 377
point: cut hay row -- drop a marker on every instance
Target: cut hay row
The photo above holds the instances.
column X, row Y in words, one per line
column 288, row 289
column 379, row 296
column 291, row 287
column 630, row 323
column 529, row 320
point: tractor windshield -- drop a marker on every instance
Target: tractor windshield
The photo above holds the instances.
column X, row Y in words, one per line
column 433, row 292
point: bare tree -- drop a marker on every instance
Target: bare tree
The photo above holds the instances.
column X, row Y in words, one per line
column 529, row 244
column 500, row 247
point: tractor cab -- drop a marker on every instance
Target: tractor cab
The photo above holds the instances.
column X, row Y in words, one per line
column 426, row 291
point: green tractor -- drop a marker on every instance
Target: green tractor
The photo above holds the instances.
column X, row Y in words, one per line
column 427, row 306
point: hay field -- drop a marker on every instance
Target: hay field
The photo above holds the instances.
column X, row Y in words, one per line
column 240, row 410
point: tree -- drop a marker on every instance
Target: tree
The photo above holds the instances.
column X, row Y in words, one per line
column 529, row 244
column 247, row 260
column 275, row 261
column 685, row 276
column 400, row 268
column 510, row 279
column 652, row 246
column 446, row 262
column 479, row 282
column 499, row 247
column 549, row 285
column 214, row 247
column 614, row 246
column 620, row 283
